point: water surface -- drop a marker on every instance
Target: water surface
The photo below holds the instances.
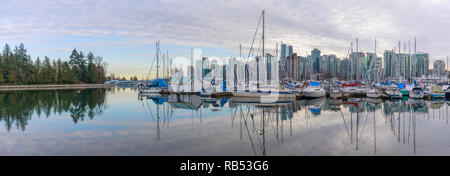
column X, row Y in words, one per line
column 118, row 122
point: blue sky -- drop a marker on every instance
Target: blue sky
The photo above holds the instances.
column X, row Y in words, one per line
column 124, row 32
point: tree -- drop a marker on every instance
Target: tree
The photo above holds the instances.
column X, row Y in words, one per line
column 38, row 71
column 59, row 70
column 93, row 73
column 48, row 74
column 7, row 61
column 83, row 75
column 16, row 67
column 2, row 79
column 68, row 76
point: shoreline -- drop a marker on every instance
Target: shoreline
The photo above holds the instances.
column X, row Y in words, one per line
column 54, row 86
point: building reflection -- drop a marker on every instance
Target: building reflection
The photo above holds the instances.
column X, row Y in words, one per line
column 273, row 122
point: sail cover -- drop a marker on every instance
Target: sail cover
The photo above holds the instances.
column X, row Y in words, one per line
column 159, row 83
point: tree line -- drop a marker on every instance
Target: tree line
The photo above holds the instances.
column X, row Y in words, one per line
column 17, row 68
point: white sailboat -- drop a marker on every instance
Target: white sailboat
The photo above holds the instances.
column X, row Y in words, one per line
column 261, row 94
column 157, row 86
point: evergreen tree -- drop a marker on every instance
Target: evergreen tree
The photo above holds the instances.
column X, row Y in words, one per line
column 59, row 71
column 68, row 76
column 2, row 79
column 47, row 71
column 83, row 75
column 16, row 67
column 7, row 61
column 38, row 71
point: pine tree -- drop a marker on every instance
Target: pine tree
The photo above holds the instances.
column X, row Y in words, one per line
column 38, row 70
column 47, row 71
column 59, row 71
column 2, row 79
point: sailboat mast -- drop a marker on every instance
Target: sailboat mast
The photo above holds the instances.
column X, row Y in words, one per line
column 157, row 59
column 257, row 60
column 409, row 58
column 414, row 48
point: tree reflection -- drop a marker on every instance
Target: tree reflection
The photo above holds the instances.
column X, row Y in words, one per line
column 18, row 107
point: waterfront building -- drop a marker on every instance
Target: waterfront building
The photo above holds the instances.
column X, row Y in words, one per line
column 345, row 69
column 198, row 69
column 439, row 68
column 389, row 64
column 283, row 51
column 315, row 55
column 293, row 67
column 206, row 66
column 420, row 65
column 289, row 50
column 330, row 66
column 355, row 65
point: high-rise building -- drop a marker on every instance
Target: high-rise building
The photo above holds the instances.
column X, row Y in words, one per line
column 289, row 50
column 283, row 51
column 439, row 68
column 315, row 55
column 345, row 69
column 420, row 65
column 355, row 61
column 388, row 64
column 374, row 67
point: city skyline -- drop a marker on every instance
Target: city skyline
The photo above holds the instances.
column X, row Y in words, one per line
column 124, row 33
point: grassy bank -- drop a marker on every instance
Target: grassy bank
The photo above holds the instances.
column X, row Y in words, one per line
column 55, row 86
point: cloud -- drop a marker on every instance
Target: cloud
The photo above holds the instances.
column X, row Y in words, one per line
column 327, row 25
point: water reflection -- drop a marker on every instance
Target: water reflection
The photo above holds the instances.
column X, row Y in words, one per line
column 125, row 124
column 18, row 107
column 265, row 126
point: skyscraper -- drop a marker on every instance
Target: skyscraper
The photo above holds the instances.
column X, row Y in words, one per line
column 388, row 63
column 283, row 51
column 355, row 59
column 289, row 50
column 439, row 68
column 419, row 65
column 315, row 56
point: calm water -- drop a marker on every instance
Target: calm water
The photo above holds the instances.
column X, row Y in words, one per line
column 118, row 122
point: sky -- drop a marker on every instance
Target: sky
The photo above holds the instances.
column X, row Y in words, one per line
column 124, row 32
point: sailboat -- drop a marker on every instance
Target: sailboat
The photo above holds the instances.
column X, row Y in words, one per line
column 268, row 95
column 157, row 86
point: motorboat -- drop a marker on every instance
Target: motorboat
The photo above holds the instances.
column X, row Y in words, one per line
column 435, row 91
column 314, row 91
column 352, row 90
column 446, row 88
column 416, row 92
column 394, row 93
column 373, row 93
column 335, row 93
